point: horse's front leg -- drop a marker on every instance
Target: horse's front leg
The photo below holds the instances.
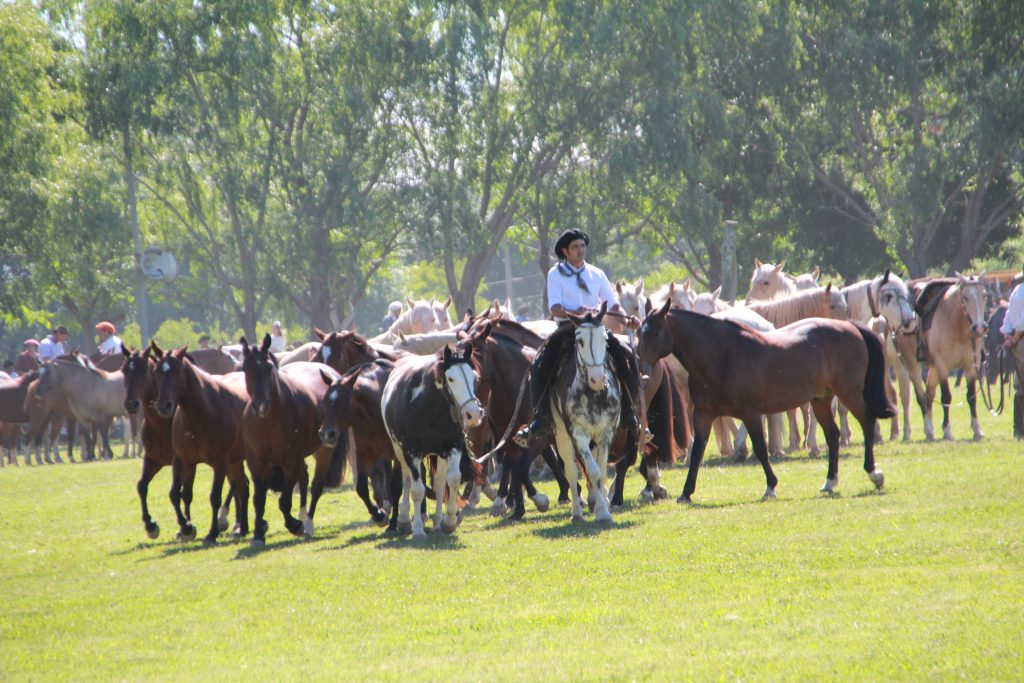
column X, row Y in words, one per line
column 240, row 491
column 566, row 451
column 417, row 492
column 216, row 491
column 257, row 469
column 182, row 476
column 294, row 472
column 947, row 400
column 701, row 431
column 452, row 479
column 811, row 437
column 972, row 402
column 379, row 517
column 596, row 463
column 149, row 469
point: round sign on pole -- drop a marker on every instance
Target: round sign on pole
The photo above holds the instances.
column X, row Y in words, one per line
column 158, row 264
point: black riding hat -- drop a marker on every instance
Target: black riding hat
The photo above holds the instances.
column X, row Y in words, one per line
column 567, row 238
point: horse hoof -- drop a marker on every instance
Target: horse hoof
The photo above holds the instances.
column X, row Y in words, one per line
column 257, row 543
column 239, row 531
column 660, row 493
column 404, row 528
column 878, row 479
column 209, row 541
column 380, row 518
column 614, row 508
column 296, row 529
column 498, row 508
column 563, row 500
column 448, row 527
column 647, row 495
column 605, row 520
column 684, row 500
column 307, row 528
column 222, row 524
column 577, row 518
column 769, row 494
column 187, row 533
column 541, row 502
column 830, row 485
column 153, row 531
column 419, row 536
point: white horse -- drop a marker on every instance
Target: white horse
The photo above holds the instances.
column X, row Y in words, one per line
column 885, row 296
column 585, row 403
column 420, row 317
column 769, row 281
column 682, row 296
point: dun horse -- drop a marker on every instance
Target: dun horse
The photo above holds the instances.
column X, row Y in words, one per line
column 738, row 372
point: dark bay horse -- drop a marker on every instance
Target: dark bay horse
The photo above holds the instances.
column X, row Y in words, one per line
column 742, row 373
column 280, row 425
column 428, row 404
column 206, row 413
column 353, row 402
column 141, row 383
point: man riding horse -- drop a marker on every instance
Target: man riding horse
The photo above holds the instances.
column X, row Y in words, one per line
column 575, row 286
column 1013, row 329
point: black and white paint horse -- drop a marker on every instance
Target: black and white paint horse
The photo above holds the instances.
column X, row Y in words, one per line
column 586, row 406
column 428, row 403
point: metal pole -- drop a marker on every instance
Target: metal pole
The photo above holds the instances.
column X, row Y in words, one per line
column 729, row 275
column 508, row 272
column 141, row 297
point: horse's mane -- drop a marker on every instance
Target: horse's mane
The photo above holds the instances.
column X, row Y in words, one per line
column 679, row 313
column 361, row 367
column 807, row 303
column 512, row 326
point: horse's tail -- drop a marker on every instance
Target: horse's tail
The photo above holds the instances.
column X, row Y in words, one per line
column 679, row 414
column 875, row 398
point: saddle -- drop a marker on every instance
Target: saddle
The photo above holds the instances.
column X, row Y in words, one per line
column 928, row 296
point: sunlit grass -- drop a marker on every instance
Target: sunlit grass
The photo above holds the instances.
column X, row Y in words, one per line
column 921, row 582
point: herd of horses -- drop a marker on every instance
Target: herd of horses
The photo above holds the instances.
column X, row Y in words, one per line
column 426, row 409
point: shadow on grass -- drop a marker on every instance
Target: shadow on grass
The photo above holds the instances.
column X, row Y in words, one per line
column 587, row 528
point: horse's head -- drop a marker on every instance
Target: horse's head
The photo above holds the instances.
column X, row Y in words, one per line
column 707, row 303
column 767, row 281
column 631, row 298
column 807, row 280
column 260, row 368
column 892, row 301
column 835, row 303
column 974, row 297
column 172, row 381
column 442, row 320
column 335, row 350
column 419, row 318
column 336, row 405
column 655, row 337
column 455, row 374
column 137, row 378
column 592, row 347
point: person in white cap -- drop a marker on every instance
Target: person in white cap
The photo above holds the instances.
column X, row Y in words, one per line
column 394, row 310
column 27, row 360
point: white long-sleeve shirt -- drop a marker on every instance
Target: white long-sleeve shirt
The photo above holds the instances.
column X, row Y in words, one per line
column 1014, row 319
column 564, row 290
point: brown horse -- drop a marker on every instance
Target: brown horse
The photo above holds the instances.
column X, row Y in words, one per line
column 738, row 372
column 141, row 383
column 345, row 349
column 353, row 402
column 206, row 413
column 280, row 425
column 953, row 332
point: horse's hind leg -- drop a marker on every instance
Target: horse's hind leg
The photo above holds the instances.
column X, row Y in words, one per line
column 972, row 402
column 296, row 471
column 823, row 411
column 557, row 468
column 149, row 469
column 240, row 492
column 760, row 446
column 259, row 504
column 322, row 458
column 379, row 517
column 180, row 483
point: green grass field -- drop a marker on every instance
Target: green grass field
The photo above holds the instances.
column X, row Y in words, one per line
column 922, row 582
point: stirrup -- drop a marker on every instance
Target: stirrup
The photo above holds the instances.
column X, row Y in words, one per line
column 522, row 437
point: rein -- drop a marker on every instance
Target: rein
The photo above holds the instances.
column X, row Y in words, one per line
column 987, row 386
column 511, row 424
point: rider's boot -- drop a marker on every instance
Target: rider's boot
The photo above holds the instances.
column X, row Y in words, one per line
column 542, row 372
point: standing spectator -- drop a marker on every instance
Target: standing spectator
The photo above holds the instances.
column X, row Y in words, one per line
column 52, row 345
column 523, row 313
column 277, row 340
column 204, row 341
column 1013, row 329
column 9, row 369
column 28, row 360
column 109, row 341
column 394, row 310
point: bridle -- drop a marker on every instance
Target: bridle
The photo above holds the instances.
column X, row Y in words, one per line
column 581, row 363
column 456, row 408
column 875, row 300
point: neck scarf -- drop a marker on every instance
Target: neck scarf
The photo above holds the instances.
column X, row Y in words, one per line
column 567, row 271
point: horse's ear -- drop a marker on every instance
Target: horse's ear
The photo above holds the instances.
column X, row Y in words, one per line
column 686, row 285
column 319, row 333
column 326, row 378
column 885, row 278
column 265, row 346
column 125, row 352
column 715, row 294
column 828, row 289
column 639, row 286
column 664, row 307
column 618, row 287
column 447, row 303
column 401, row 336
column 778, row 268
column 757, row 263
column 245, row 345
column 648, row 306
column 483, row 333
column 981, row 275
column 601, row 311
column 408, row 300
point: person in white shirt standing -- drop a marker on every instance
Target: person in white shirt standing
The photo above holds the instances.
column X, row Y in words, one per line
column 575, row 286
column 1013, row 329
column 277, row 340
column 52, row 344
column 109, row 341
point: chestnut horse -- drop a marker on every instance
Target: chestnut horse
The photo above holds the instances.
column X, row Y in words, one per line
column 280, row 426
column 206, row 413
column 742, row 373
